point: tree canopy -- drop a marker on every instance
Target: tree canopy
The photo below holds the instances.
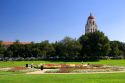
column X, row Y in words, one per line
column 91, row 46
column 94, row 45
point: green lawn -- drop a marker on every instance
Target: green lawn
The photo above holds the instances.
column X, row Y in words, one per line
column 70, row 78
column 22, row 63
column 9, row 73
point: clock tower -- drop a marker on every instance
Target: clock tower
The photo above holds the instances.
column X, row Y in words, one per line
column 91, row 25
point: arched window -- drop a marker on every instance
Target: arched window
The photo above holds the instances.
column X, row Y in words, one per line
column 91, row 30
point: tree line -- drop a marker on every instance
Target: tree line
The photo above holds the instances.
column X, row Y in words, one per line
column 91, row 46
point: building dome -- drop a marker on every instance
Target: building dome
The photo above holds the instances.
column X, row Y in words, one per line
column 91, row 17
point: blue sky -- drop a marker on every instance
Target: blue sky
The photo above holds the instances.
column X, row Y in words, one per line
column 38, row 20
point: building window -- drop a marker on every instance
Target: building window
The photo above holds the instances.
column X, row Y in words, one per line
column 93, row 22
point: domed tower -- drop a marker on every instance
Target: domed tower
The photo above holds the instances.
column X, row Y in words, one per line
column 91, row 25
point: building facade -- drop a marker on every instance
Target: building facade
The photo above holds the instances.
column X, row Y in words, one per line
column 91, row 25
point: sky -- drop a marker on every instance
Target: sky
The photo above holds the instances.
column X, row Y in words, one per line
column 39, row 20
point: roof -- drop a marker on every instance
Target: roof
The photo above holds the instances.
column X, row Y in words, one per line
column 10, row 43
column 91, row 16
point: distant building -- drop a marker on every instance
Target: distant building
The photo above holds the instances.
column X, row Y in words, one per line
column 7, row 44
column 91, row 25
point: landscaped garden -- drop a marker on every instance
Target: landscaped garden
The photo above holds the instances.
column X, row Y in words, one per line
column 63, row 67
column 103, row 71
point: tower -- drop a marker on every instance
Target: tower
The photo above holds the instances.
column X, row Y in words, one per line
column 91, row 25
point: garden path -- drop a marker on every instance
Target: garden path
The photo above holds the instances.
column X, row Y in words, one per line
column 43, row 72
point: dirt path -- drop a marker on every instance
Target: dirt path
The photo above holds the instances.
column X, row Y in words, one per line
column 43, row 72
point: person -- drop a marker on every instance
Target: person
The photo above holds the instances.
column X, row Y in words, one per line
column 26, row 65
column 41, row 67
column 32, row 65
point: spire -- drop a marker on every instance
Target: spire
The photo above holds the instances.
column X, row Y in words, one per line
column 91, row 16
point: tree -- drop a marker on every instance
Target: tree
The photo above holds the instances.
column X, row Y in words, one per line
column 35, row 52
column 8, row 53
column 17, row 49
column 46, row 49
column 28, row 50
column 94, row 45
column 2, row 49
column 68, row 48
column 117, row 49
column 122, row 48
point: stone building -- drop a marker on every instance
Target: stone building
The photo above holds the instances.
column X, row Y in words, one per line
column 91, row 25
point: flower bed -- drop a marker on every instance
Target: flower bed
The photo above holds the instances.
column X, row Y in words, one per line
column 17, row 69
column 51, row 66
column 81, row 68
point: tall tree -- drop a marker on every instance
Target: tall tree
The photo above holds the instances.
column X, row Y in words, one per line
column 68, row 48
column 94, row 45
column 46, row 49
column 16, row 49
column 117, row 49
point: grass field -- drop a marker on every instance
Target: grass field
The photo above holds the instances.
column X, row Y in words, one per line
column 9, row 73
column 22, row 63
column 69, row 78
